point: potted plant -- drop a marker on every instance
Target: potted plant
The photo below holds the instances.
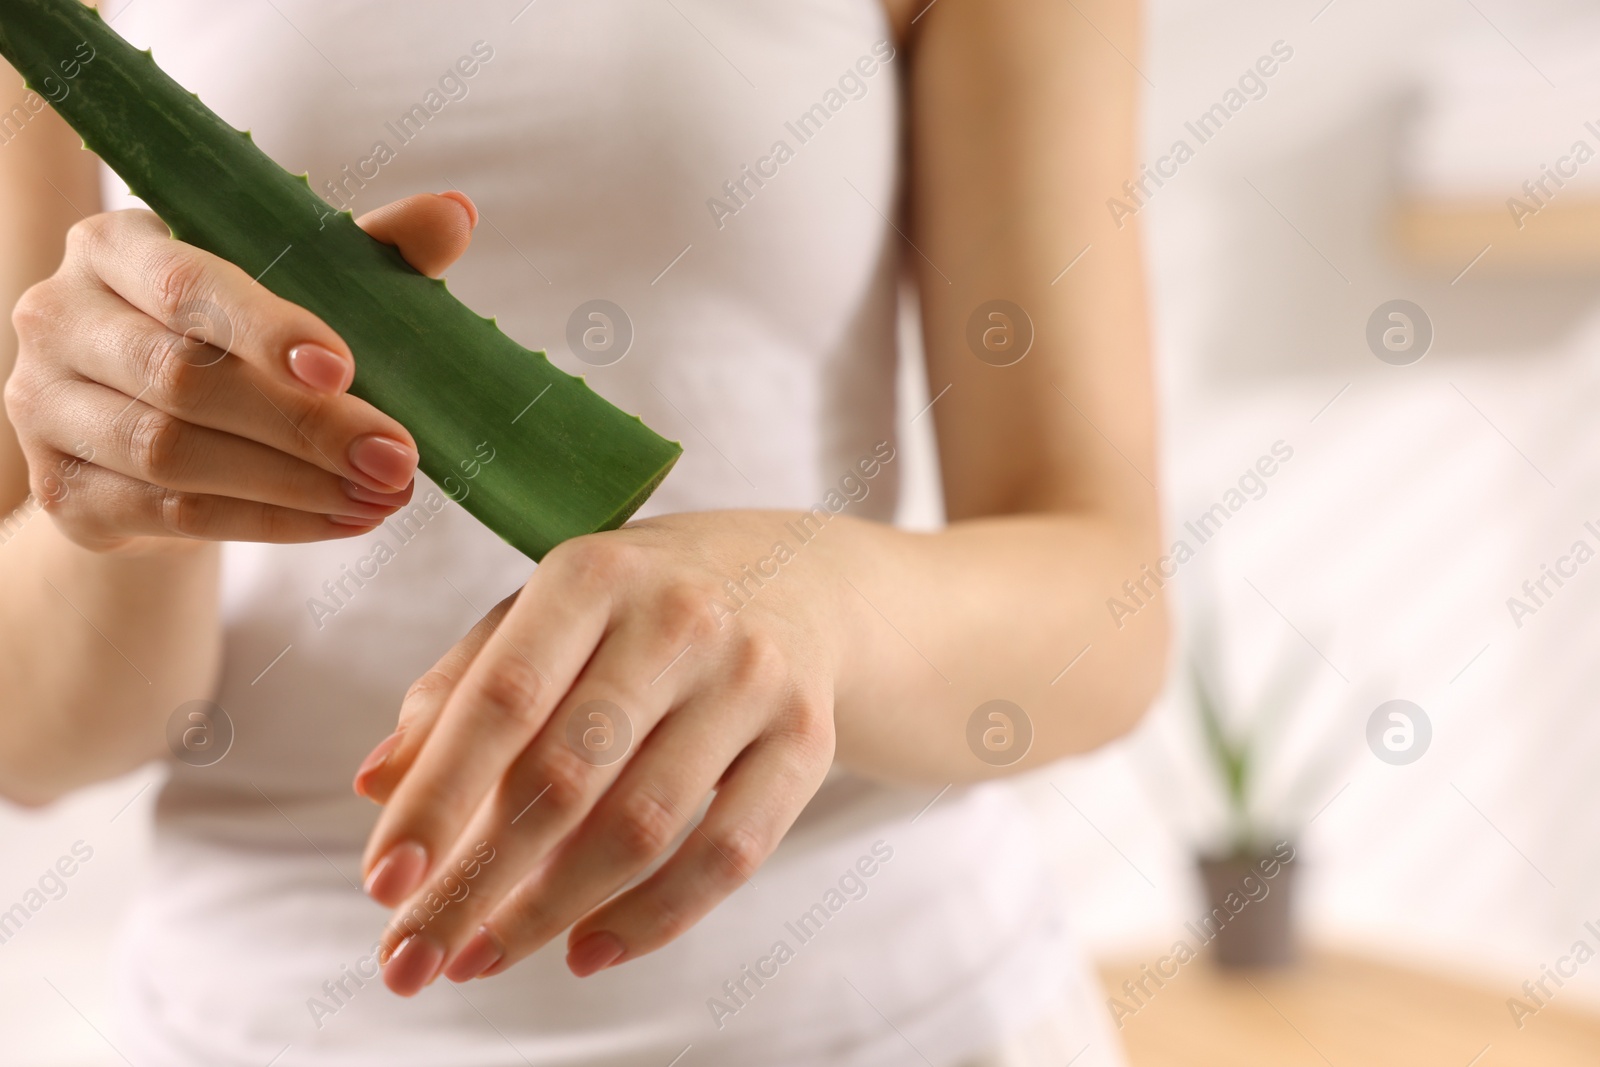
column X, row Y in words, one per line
column 1249, row 880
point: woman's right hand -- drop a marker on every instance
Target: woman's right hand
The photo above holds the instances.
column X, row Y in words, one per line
column 161, row 392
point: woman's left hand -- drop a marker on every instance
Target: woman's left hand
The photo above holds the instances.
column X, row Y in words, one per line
column 563, row 745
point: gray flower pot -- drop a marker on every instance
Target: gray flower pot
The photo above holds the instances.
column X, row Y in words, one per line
column 1251, row 916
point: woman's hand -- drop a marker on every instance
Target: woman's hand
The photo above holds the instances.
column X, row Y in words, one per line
column 562, row 746
column 160, row 392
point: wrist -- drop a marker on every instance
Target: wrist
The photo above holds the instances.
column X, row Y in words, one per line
column 852, row 560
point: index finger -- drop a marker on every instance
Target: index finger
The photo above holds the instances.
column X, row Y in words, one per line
column 388, row 763
column 201, row 296
column 502, row 700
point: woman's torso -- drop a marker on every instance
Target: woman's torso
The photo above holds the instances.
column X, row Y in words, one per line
column 722, row 173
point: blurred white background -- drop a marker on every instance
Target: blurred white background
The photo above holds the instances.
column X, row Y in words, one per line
column 1418, row 499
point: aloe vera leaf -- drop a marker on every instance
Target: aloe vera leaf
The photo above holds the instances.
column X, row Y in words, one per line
column 570, row 464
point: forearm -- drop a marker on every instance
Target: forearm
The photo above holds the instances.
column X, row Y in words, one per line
column 96, row 652
column 935, row 625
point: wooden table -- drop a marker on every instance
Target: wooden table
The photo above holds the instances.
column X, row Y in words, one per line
column 1344, row 1011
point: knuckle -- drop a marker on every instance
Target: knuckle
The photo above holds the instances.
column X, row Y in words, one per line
column 523, row 921
column 177, row 282
column 562, row 778
column 87, row 235
column 163, row 361
column 273, row 524
column 22, row 393
column 155, row 445
column 37, row 311
column 739, row 849
column 645, row 826
column 808, row 726
column 184, row 514
column 684, row 614
column 431, row 686
column 758, row 661
column 510, row 694
column 595, row 562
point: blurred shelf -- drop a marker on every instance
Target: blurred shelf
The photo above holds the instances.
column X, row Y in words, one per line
column 1563, row 236
column 1339, row 1009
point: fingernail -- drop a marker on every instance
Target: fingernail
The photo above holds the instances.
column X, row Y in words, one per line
column 322, row 370
column 384, row 460
column 398, row 874
column 414, row 964
column 465, row 201
column 594, row 952
column 362, row 495
column 375, row 759
column 481, row 953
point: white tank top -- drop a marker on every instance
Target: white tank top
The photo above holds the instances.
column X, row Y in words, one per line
column 721, row 171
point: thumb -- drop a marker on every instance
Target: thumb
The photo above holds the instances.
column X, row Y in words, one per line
column 431, row 230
